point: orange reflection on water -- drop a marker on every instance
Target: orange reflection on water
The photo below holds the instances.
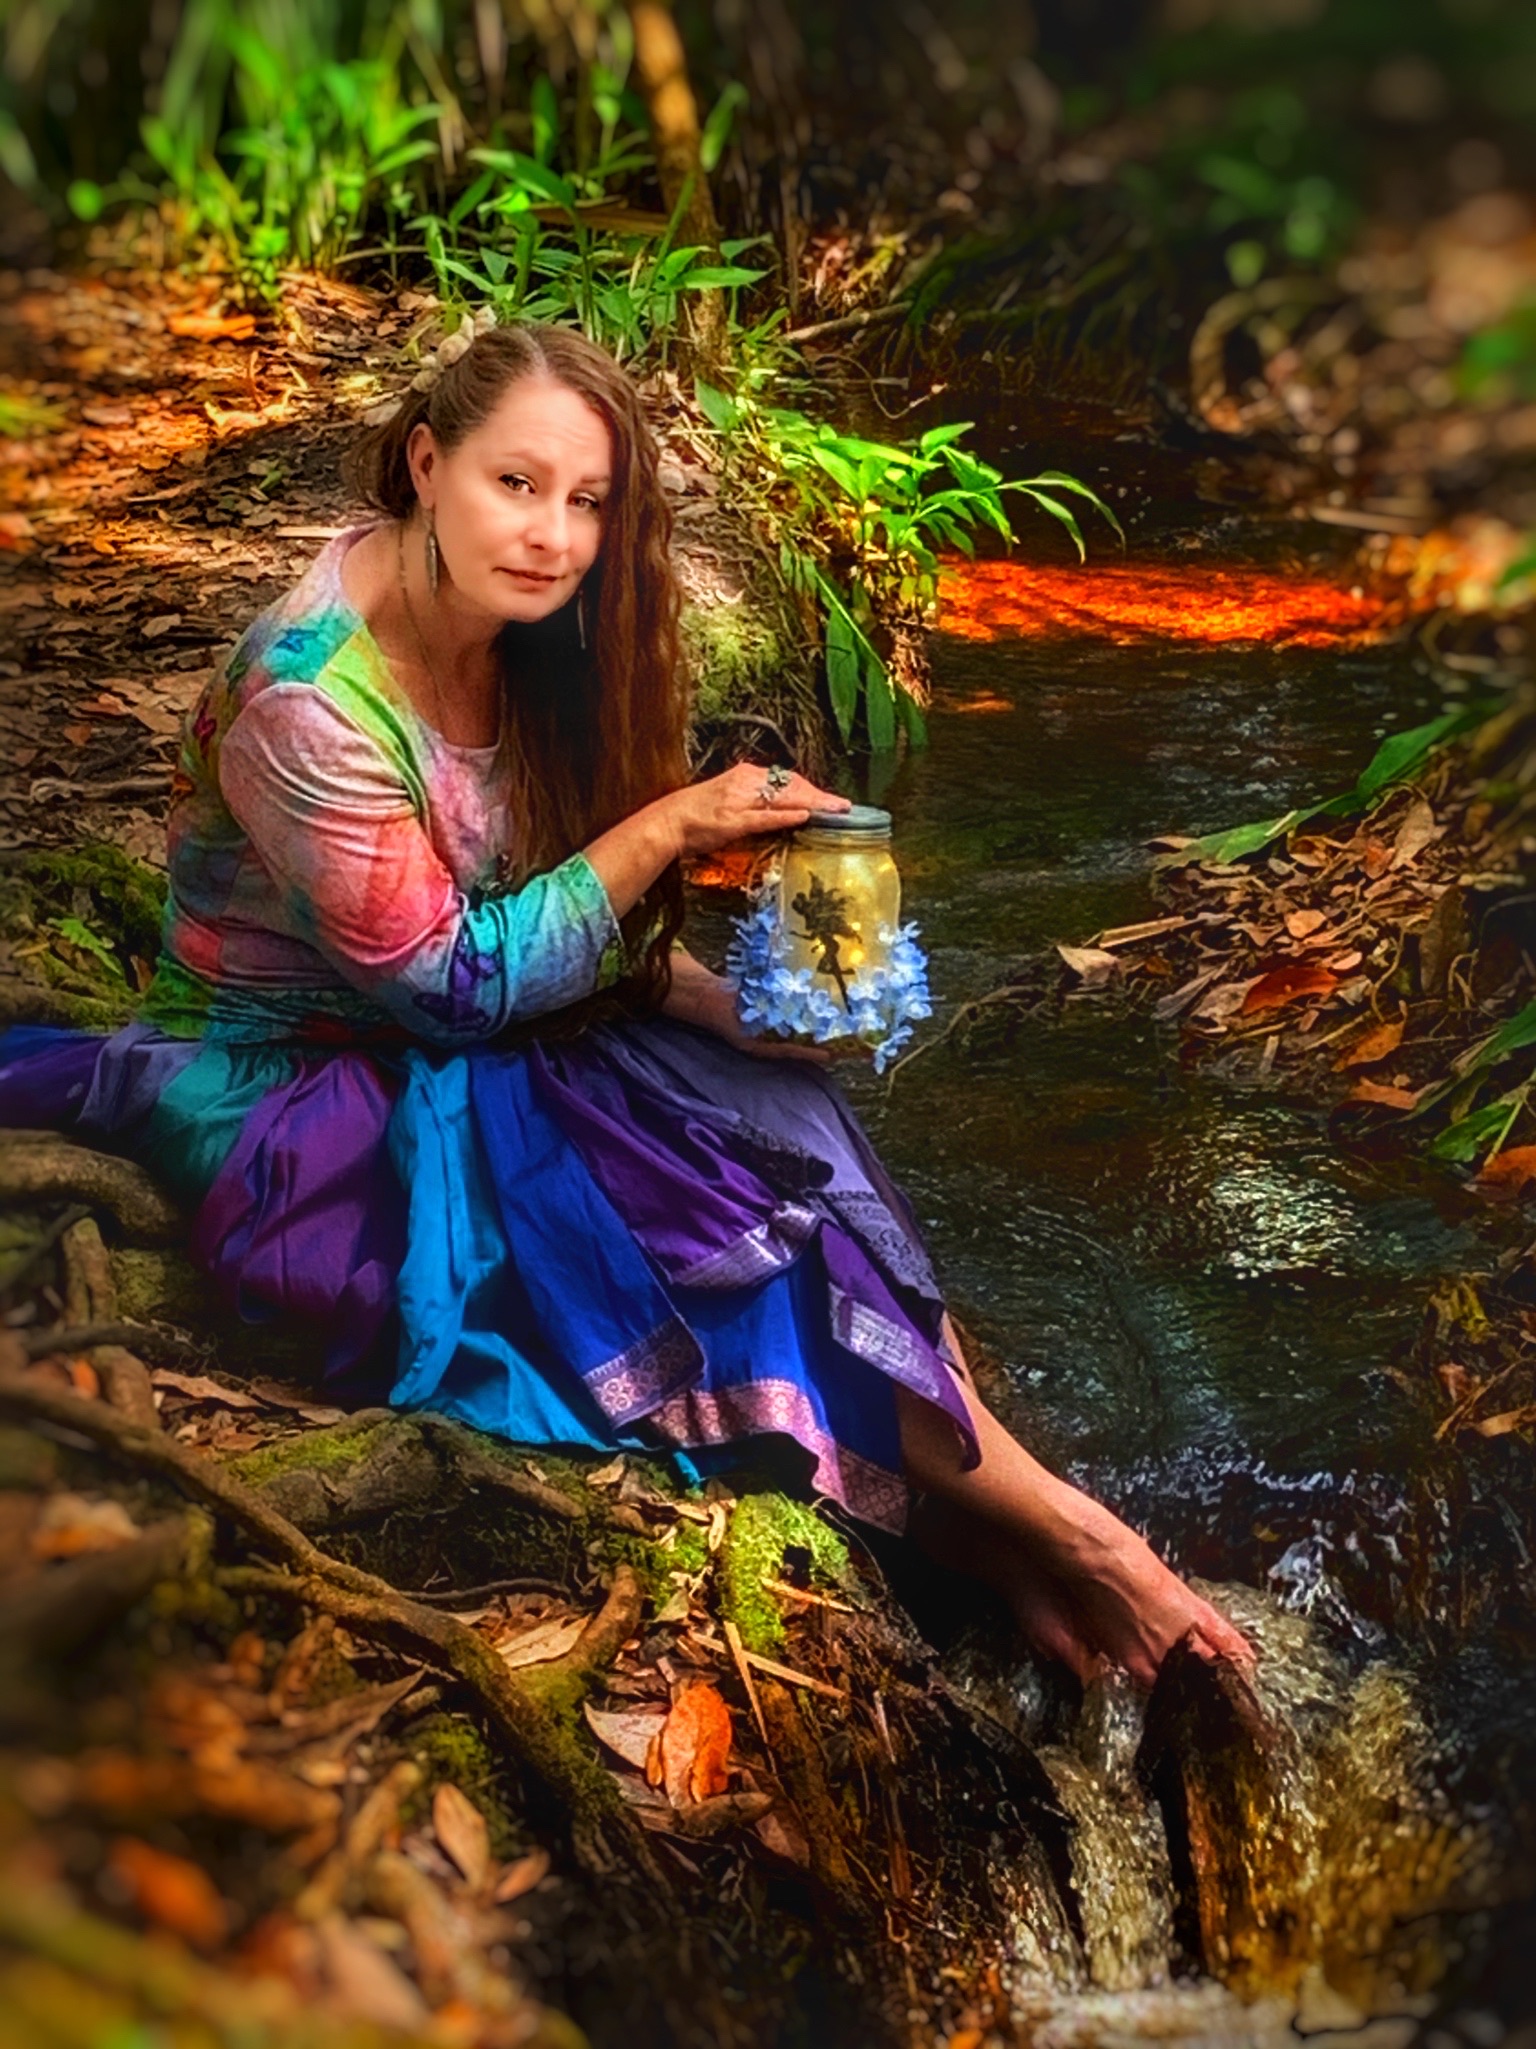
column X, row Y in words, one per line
column 1126, row 602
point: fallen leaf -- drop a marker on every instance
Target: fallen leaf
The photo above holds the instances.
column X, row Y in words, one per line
column 780, row 1834
column 365, row 1984
column 520, row 1877
column 609, row 1475
column 628, row 1733
column 1341, row 963
column 1506, row 1174
column 543, row 1643
column 461, row 1830
column 172, row 1892
column 705, row 1818
column 1288, row 983
column 1390, row 1098
column 1376, row 859
column 1456, row 1380
column 212, row 326
column 107, row 415
column 1091, row 964
column 689, row 1762
column 198, row 1388
column 152, row 629
column 1302, row 924
column 1169, row 1006
column 1511, row 1419
column 1373, row 1045
column 78, row 735
column 1414, row 834
column 71, row 1525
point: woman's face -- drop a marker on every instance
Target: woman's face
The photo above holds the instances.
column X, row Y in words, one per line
column 518, row 504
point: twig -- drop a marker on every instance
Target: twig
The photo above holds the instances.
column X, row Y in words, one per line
column 744, row 1672
column 449, row 1597
column 85, row 1337
column 849, row 323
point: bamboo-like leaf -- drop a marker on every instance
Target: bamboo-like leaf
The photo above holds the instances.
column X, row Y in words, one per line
column 1060, row 512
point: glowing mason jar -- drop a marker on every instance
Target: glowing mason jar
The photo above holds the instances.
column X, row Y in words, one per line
column 840, row 897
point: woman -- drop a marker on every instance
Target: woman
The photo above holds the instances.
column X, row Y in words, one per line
column 437, row 795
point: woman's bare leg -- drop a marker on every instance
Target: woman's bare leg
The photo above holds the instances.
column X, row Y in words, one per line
column 1084, row 1586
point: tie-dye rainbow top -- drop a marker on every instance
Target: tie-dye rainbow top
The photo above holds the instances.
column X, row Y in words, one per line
column 333, row 859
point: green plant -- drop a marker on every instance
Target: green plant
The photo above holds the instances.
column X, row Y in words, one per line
column 1397, row 760
column 859, row 525
column 540, row 243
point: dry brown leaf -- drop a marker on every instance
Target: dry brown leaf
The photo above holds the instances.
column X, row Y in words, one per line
column 71, row 1525
column 1510, row 1419
column 1341, row 963
column 704, row 1818
column 542, row 1644
column 461, row 1830
column 172, row 1892
column 1456, row 1380
column 198, row 1388
column 1384, row 1093
column 1414, row 834
column 693, row 1746
column 629, row 1733
column 1286, row 984
column 78, row 734
column 1376, row 859
column 520, row 1877
column 365, row 1984
column 1373, row 1045
column 1091, row 964
column 1302, row 924
column 780, row 1833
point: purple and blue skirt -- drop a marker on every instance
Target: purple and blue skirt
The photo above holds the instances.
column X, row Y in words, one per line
column 641, row 1238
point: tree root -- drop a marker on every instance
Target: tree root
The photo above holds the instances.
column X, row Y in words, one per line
column 36, row 1166
column 90, row 1297
column 53, row 1613
column 535, row 1711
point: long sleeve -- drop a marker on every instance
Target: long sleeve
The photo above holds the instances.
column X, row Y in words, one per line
column 334, row 823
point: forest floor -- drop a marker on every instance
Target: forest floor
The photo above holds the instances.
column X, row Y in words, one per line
column 386, row 1735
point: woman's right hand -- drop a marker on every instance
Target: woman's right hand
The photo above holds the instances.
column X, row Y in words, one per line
column 709, row 815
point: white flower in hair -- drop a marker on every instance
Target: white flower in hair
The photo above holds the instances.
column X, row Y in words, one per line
column 452, row 347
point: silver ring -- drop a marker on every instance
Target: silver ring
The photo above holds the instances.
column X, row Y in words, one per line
column 777, row 778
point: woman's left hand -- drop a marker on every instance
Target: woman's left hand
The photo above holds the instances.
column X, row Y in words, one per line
column 702, row 998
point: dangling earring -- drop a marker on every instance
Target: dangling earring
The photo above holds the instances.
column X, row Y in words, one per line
column 433, row 565
column 581, row 619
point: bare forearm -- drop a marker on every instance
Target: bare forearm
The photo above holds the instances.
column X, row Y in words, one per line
column 632, row 854
column 695, row 994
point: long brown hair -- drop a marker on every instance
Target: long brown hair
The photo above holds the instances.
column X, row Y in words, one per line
column 591, row 734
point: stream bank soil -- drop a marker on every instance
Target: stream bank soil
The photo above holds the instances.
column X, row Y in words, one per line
column 354, row 1725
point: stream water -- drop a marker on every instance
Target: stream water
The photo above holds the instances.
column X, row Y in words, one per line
column 1185, row 1294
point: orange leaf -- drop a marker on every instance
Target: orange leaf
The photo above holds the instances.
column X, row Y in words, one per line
column 1302, row 924
column 171, row 1892
column 1288, row 983
column 212, row 326
column 1390, row 1098
column 1373, row 1045
column 694, row 1745
column 1507, row 1173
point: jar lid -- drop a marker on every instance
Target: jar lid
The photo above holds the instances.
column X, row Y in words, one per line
column 866, row 821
